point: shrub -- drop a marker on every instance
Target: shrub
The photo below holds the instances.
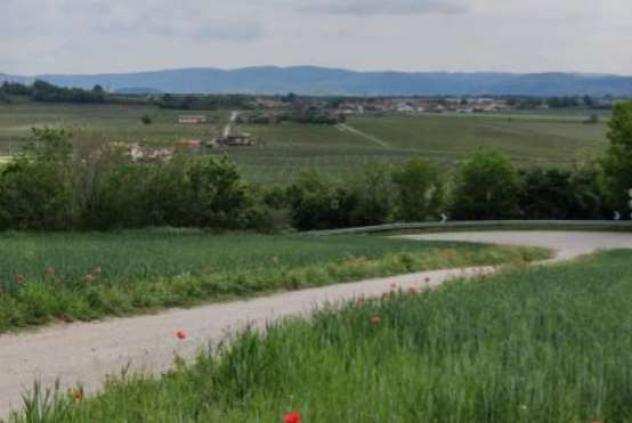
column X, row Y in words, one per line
column 590, row 196
column 146, row 120
column 486, row 187
column 316, row 203
column 420, row 191
column 52, row 186
column 373, row 195
column 37, row 187
column 617, row 164
column 546, row 194
column 562, row 194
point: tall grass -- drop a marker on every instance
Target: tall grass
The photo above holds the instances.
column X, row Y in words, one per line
column 70, row 276
column 534, row 345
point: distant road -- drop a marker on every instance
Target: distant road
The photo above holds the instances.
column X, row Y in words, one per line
column 233, row 117
column 346, row 128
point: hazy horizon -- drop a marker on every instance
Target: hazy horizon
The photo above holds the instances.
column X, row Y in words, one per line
column 386, row 70
column 117, row 36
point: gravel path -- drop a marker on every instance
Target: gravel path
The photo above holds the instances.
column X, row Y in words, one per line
column 87, row 352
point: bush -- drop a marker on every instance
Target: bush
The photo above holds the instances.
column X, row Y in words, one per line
column 420, row 191
column 486, row 187
column 51, row 186
column 617, row 164
column 316, row 203
column 37, row 187
column 373, row 195
column 546, row 194
column 562, row 194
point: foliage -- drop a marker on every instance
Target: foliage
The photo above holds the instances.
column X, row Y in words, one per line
column 52, row 186
column 374, row 195
column 317, row 203
column 37, row 186
column 46, row 92
column 618, row 161
column 205, row 102
column 486, row 187
column 562, row 194
column 146, row 119
column 420, row 191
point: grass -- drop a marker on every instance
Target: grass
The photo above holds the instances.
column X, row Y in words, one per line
column 527, row 139
column 537, row 344
column 106, row 123
column 286, row 149
column 66, row 276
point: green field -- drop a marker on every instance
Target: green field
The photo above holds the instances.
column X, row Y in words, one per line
column 528, row 139
column 286, row 149
column 72, row 276
column 103, row 123
column 544, row 344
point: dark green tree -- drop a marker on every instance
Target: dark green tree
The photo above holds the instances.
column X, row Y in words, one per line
column 486, row 187
column 617, row 164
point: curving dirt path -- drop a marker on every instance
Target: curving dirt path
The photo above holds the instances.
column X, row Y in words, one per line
column 87, row 352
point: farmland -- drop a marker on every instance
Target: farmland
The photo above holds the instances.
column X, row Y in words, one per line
column 286, row 149
column 536, row 344
column 73, row 276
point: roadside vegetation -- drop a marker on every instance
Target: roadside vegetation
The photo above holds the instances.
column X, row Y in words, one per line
column 46, row 277
column 537, row 344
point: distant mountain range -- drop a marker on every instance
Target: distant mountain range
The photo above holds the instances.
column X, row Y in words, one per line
column 309, row 80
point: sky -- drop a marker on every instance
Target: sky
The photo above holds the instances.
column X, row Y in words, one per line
column 102, row 36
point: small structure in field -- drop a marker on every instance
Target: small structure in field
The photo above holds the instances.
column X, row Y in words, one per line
column 241, row 140
column 192, row 119
column 138, row 153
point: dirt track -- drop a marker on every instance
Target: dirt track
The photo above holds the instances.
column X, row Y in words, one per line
column 87, row 352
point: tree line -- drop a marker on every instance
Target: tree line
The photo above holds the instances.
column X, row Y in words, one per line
column 56, row 185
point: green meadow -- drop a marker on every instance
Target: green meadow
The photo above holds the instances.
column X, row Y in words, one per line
column 46, row 277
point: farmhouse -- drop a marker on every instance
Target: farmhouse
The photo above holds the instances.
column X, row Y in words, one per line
column 192, row 119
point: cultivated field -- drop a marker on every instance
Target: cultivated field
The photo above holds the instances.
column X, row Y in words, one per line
column 70, row 276
column 537, row 344
column 527, row 139
column 286, row 149
column 103, row 123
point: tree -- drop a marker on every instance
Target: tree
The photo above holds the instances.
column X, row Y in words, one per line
column 486, row 187
column 420, row 191
column 617, row 164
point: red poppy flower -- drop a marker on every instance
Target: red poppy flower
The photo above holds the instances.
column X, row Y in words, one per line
column 181, row 335
column 293, row 417
column 76, row 394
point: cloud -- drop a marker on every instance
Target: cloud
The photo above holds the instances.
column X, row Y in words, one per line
column 195, row 20
column 383, row 7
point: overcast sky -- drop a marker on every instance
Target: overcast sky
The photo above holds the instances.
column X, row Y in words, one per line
column 90, row 36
